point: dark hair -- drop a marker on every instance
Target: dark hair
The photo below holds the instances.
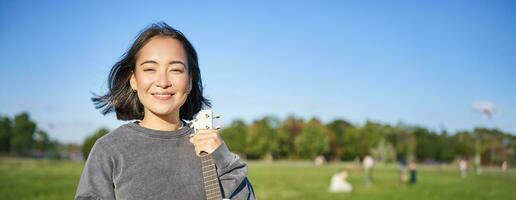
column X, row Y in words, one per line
column 120, row 97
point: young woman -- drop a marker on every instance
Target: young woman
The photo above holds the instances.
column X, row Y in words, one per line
column 158, row 83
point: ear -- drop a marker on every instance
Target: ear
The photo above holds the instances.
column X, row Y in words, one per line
column 132, row 82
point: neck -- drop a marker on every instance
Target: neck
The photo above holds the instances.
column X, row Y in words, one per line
column 161, row 122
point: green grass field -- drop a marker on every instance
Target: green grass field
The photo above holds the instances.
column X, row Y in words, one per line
column 42, row 179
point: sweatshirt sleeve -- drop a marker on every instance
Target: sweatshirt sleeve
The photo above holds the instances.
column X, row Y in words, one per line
column 96, row 182
column 232, row 174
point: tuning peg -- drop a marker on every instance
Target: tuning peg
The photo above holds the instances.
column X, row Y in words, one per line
column 217, row 128
column 216, row 116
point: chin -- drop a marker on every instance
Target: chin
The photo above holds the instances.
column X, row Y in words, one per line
column 162, row 111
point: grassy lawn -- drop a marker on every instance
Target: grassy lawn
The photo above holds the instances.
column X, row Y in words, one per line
column 304, row 181
column 42, row 179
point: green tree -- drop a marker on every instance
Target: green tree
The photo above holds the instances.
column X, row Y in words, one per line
column 352, row 144
column 90, row 141
column 371, row 134
column 493, row 145
column 41, row 141
column 446, row 152
column 46, row 147
column 22, row 137
column 313, row 140
column 426, row 143
column 262, row 140
column 464, row 144
column 383, row 152
column 235, row 136
column 337, row 127
column 287, row 133
column 5, row 135
column 404, row 142
column 358, row 141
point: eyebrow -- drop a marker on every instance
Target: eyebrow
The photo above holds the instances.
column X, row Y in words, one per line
column 170, row 63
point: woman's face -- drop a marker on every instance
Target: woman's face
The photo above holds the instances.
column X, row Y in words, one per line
column 161, row 76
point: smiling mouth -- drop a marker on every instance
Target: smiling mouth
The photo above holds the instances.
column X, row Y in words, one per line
column 162, row 96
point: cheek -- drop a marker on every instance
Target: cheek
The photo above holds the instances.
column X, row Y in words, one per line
column 144, row 82
column 182, row 83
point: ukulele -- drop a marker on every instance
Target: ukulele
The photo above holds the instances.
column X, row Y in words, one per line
column 204, row 120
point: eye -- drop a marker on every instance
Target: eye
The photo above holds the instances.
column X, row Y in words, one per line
column 148, row 69
column 177, row 70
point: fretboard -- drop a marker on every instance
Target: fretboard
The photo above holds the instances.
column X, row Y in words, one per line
column 211, row 180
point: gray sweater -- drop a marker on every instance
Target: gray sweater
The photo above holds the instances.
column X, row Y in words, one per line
column 134, row 162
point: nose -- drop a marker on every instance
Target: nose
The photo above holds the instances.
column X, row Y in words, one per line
column 163, row 80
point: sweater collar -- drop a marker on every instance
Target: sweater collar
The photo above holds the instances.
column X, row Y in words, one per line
column 183, row 131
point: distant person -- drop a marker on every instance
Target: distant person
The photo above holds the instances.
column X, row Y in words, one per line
column 319, row 160
column 368, row 168
column 413, row 173
column 339, row 183
column 463, row 168
column 477, row 165
column 504, row 166
column 356, row 164
column 403, row 170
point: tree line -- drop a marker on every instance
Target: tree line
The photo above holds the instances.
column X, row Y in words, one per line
column 20, row 136
column 295, row 138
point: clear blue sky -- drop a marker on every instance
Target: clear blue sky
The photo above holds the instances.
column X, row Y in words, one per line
column 419, row 63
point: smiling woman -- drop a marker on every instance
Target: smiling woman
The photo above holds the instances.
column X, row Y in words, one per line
column 158, row 84
column 161, row 80
column 121, row 97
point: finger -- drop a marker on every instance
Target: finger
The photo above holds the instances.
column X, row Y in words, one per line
column 197, row 152
column 205, row 138
column 197, row 137
column 205, row 147
column 206, row 131
column 208, row 144
column 209, row 140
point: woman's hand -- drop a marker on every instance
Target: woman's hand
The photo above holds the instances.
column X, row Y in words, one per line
column 206, row 140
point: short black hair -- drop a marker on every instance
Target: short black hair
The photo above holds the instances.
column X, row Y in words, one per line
column 121, row 99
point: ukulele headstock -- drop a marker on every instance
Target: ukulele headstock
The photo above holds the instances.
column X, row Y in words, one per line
column 204, row 120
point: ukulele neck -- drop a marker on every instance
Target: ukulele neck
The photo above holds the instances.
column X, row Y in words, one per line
column 210, row 178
